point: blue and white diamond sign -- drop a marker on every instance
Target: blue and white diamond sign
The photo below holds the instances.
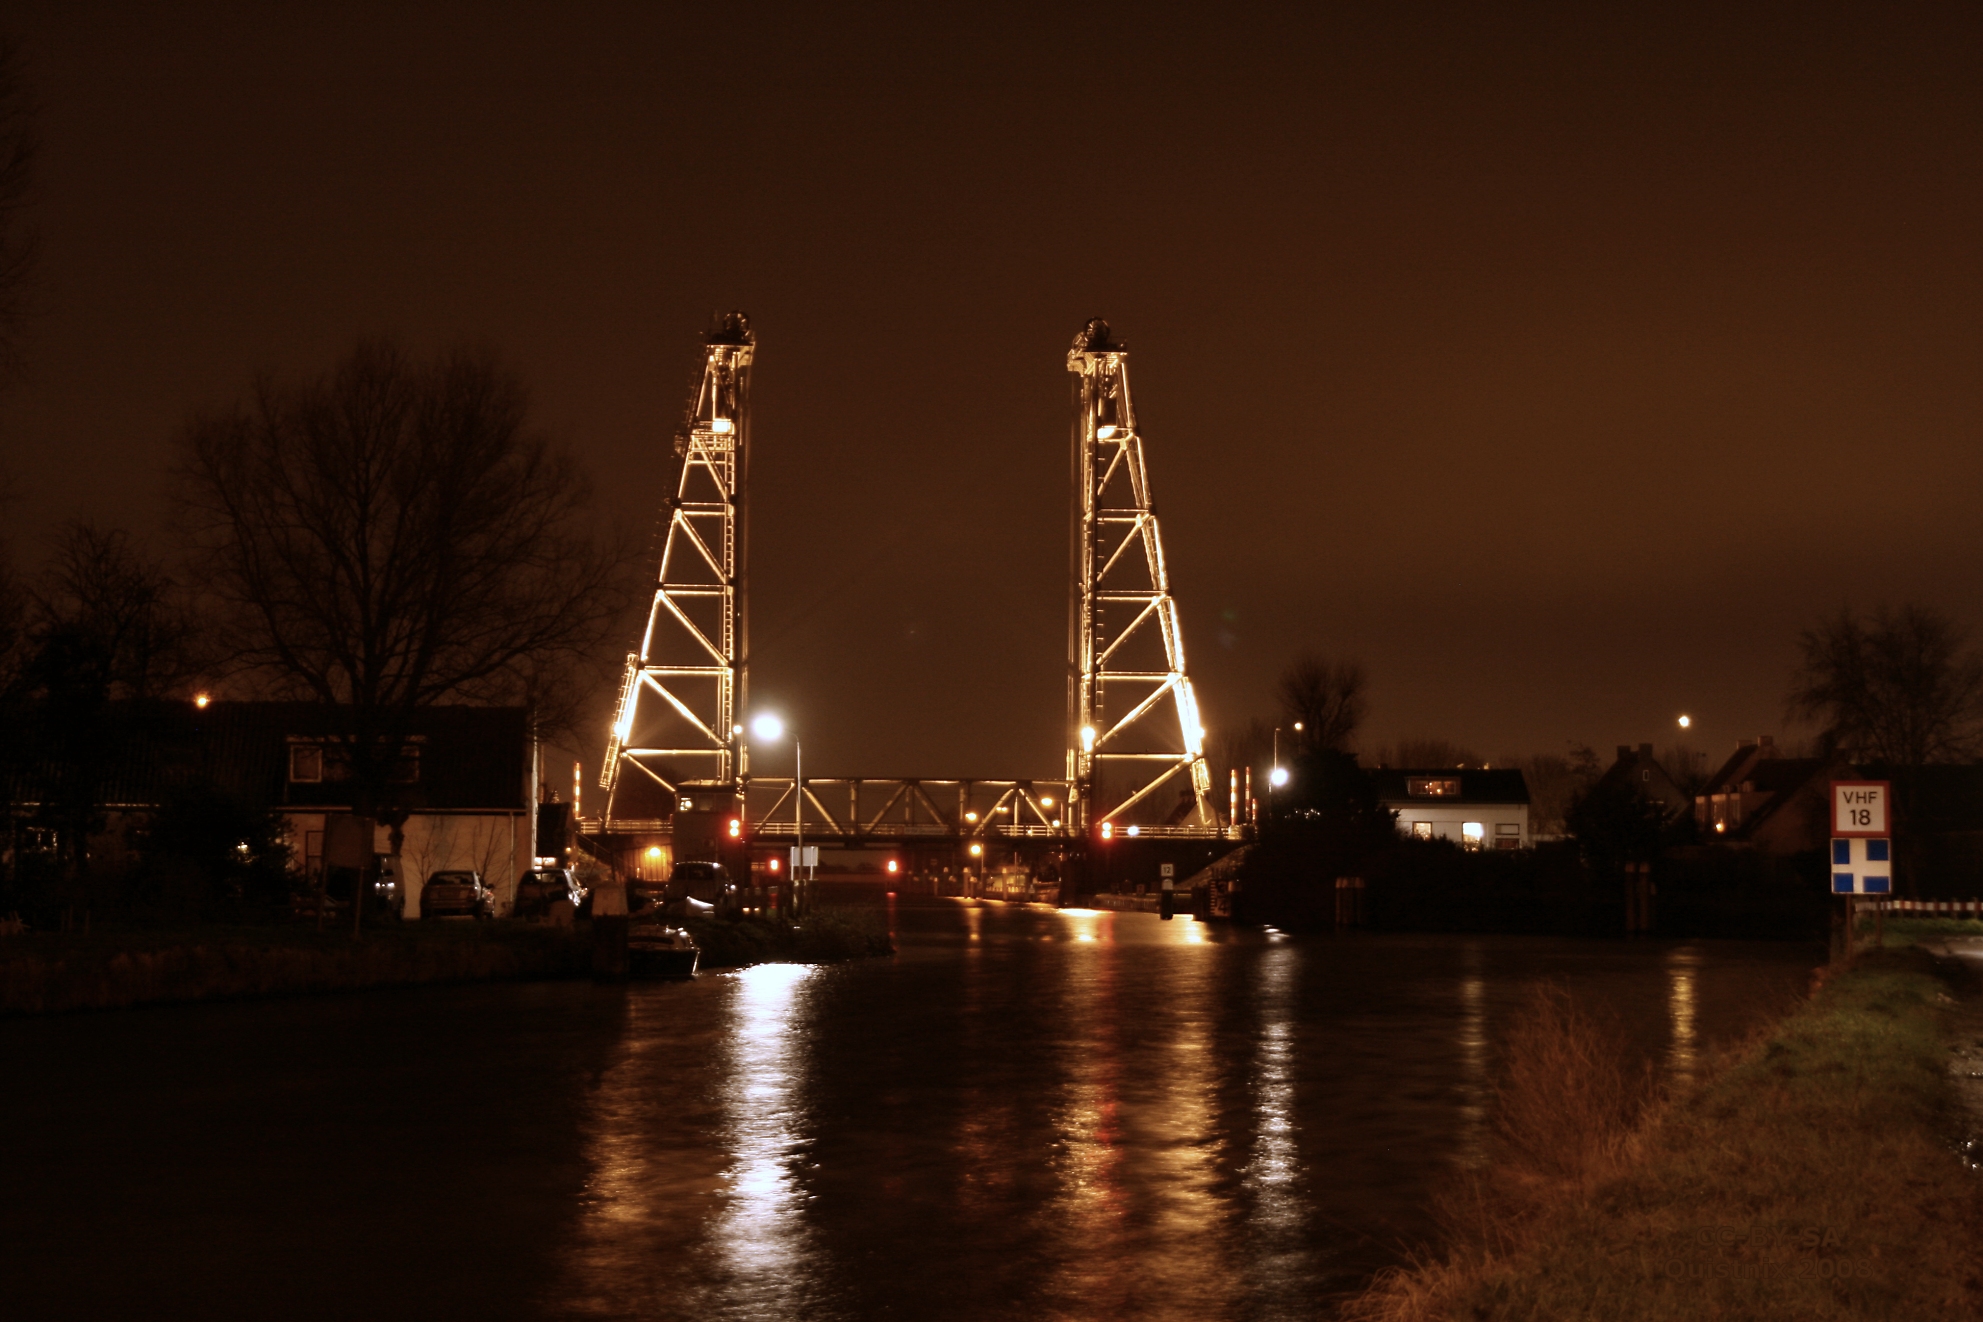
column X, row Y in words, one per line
column 1862, row 865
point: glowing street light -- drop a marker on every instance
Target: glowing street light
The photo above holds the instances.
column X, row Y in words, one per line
column 1686, row 721
column 1277, row 777
column 767, row 728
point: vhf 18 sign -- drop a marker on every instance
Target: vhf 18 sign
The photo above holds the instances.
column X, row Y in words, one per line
column 1862, row 844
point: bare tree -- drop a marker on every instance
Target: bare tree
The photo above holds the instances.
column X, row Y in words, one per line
column 107, row 633
column 18, row 243
column 392, row 536
column 1326, row 697
column 1903, row 687
column 1429, row 753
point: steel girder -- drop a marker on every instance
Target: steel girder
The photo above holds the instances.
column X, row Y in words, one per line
column 682, row 690
column 1125, row 647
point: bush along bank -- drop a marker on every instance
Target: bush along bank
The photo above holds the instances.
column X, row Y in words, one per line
column 1820, row 1175
column 44, row 972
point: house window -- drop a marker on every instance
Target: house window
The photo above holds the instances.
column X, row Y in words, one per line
column 1421, row 830
column 1507, row 835
column 406, row 771
column 306, row 764
column 1433, row 787
column 1472, row 833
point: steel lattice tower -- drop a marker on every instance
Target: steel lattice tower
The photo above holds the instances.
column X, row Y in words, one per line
column 1125, row 649
column 679, row 699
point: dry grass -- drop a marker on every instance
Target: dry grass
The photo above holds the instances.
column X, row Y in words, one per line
column 1814, row 1177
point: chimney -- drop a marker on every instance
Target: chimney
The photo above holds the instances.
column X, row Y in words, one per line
column 1768, row 744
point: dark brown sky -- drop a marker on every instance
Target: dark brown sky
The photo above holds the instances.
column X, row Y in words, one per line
column 1559, row 363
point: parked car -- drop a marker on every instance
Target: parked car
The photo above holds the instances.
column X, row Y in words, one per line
column 540, row 888
column 456, row 895
column 707, row 884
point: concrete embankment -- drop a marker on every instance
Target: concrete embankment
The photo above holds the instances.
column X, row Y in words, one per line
column 1825, row 1172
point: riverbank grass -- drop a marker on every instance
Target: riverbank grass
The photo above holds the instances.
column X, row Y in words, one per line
column 1817, row 1177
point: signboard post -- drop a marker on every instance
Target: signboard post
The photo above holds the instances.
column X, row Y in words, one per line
column 1862, row 844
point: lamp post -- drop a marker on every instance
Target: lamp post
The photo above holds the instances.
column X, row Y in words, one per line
column 769, row 728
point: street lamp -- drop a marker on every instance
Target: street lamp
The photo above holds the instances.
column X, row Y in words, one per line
column 770, row 730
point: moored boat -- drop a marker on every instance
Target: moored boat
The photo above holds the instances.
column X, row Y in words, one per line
column 655, row 950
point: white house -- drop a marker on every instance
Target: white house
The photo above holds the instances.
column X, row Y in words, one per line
column 1475, row 809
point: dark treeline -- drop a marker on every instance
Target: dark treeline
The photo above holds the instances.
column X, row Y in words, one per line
column 1895, row 695
column 388, row 536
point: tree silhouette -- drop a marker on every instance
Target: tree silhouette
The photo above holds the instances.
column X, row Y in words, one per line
column 1326, row 698
column 392, row 536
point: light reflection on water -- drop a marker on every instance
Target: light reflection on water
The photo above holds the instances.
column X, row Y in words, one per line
column 763, row 1232
column 1273, row 1175
column 1682, row 1057
column 1173, row 1120
column 1475, row 1089
column 1062, row 1115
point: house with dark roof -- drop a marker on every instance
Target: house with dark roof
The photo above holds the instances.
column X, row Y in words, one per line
column 1647, row 777
column 1761, row 799
column 1477, row 809
column 467, row 778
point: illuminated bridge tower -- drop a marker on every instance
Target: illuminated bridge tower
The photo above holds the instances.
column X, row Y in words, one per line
column 1136, row 748
column 677, row 714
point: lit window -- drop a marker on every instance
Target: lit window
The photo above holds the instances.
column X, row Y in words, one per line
column 1421, row 830
column 1433, row 787
column 1472, row 833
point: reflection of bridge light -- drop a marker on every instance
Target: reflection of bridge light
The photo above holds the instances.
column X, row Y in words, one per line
column 654, row 852
column 892, row 865
column 1683, row 1055
column 1274, row 1173
column 764, row 1233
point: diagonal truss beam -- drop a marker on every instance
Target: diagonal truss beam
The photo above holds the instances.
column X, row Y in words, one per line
column 1111, row 747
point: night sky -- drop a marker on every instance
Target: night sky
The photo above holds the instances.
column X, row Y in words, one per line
column 1560, row 364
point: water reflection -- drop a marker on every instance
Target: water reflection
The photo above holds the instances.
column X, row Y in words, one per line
column 1682, row 970
column 1088, row 1205
column 763, row 1233
column 1273, row 1176
column 1474, row 1086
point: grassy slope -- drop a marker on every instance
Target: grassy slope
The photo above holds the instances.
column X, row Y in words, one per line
column 1814, row 1179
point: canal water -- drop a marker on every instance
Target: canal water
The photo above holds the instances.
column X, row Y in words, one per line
column 1025, row 1113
